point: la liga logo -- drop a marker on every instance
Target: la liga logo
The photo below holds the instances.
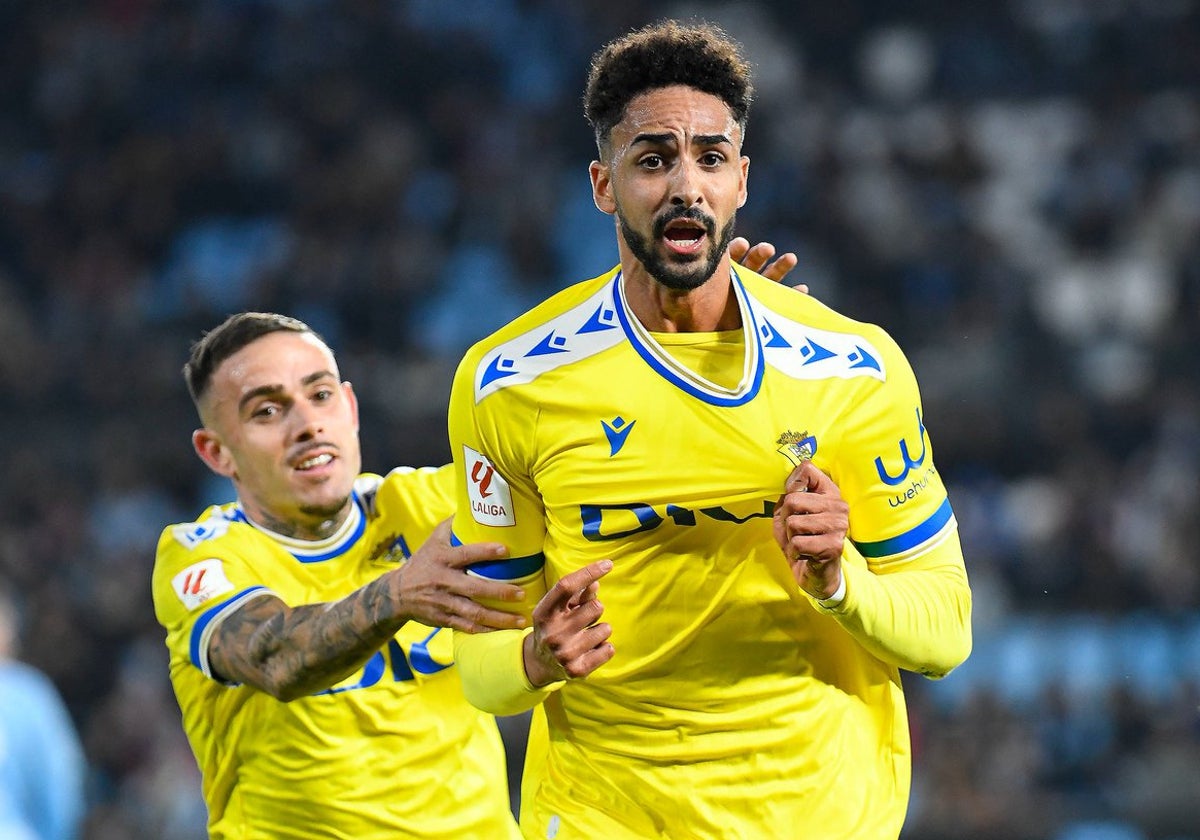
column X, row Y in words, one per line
column 488, row 492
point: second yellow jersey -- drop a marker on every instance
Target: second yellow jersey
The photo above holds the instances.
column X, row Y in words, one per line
column 394, row 750
column 579, row 436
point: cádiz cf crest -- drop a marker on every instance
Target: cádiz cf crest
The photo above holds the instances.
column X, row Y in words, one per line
column 797, row 447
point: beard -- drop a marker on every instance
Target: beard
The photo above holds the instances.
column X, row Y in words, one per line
column 327, row 511
column 677, row 272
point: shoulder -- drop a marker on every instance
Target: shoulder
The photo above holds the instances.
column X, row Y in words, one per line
column 211, row 528
column 808, row 339
column 548, row 311
column 20, row 678
column 406, row 488
column 190, row 555
column 573, row 324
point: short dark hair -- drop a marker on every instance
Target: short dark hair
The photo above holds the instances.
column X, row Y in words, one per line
column 698, row 55
column 234, row 333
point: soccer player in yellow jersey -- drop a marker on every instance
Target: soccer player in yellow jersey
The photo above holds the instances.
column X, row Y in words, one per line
column 719, row 498
column 317, row 691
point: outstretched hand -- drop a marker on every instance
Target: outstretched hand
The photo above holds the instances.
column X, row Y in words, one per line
column 567, row 641
column 759, row 258
column 433, row 586
column 811, row 522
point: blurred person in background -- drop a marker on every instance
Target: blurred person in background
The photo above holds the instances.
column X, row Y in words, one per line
column 719, row 497
column 42, row 767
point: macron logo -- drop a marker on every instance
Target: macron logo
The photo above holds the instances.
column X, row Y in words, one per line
column 617, row 434
column 488, row 492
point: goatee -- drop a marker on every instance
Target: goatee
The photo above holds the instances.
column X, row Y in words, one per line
column 678, row 272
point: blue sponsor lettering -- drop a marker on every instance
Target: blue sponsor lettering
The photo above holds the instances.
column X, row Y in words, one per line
column 916, row 487
column 392, row 659
column 613, row 522
column 422, row 660
column 908, row 462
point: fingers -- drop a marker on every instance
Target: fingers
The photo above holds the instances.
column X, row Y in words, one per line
column 570, row 589
column 593, row 650
column 738, row 246
column 781, row 268
column 754, row 258
column 569, row 641
column 758, row 258
column 809, row 478
column 811, row 518
column 476, row 618
column 462, row 556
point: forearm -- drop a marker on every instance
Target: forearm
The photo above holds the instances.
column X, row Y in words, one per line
column 492, row 669
column 291, row 652
column 916, row 617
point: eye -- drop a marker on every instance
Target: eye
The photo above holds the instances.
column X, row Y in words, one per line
column 323, row 395
column 712, row 159
column 651, row 161
column 265, row 411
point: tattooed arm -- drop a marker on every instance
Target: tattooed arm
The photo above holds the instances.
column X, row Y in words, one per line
column 291, row 652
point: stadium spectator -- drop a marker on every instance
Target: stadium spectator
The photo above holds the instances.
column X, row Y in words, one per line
column 42, row 767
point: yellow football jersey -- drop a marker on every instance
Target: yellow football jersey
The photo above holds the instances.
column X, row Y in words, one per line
column 394, row 750
column 734, row 706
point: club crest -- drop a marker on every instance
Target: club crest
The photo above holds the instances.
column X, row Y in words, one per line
column 797, row 447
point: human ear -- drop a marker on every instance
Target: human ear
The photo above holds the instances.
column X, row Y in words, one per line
column 743, row 191
column 601, row 175
column 212, row 452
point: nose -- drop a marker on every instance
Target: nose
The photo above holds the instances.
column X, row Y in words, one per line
column 685, row 184
column 308, row 422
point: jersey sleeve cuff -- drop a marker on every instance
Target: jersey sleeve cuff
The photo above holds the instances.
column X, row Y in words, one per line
column 835, row 600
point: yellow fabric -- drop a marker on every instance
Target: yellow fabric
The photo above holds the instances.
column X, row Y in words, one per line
column 394, row 751
column 734, row 706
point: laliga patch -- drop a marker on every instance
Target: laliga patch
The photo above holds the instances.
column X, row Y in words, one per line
column 201, row 582
column 489, row 493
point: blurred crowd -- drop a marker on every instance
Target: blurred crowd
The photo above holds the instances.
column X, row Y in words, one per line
column 1012, row 189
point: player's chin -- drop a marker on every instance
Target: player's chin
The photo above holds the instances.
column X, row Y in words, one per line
column 324, row 507
column 326, row 493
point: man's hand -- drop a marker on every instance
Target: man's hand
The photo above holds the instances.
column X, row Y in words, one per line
column 811, row 522
column 567, row 642
column 758, row 257
column 433, row 586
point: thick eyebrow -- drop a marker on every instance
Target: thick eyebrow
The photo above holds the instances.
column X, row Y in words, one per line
column 666, row 138
column 267, row 390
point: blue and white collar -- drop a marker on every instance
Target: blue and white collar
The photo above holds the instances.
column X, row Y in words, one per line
column 679, row 375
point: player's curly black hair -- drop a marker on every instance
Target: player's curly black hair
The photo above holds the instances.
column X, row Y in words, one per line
column 698, row 55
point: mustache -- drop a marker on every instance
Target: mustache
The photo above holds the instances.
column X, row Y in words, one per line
column 301, row 452
column 692, row 214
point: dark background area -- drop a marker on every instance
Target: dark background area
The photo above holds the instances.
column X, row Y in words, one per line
column 1012, row 189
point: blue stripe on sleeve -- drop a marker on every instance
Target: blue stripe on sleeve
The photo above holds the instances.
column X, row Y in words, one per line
column 207, row 617
column 511, row 568
column 911, row 538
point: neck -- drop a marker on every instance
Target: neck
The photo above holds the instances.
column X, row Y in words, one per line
column 710, row 307
column 314, row 528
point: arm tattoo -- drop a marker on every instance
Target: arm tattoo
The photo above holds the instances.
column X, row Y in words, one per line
column 293, row 652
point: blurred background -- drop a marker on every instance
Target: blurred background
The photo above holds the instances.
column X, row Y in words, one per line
column 1011, row 188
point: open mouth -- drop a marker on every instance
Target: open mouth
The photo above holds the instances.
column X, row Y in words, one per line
column 684, row 236
column 311, row 463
